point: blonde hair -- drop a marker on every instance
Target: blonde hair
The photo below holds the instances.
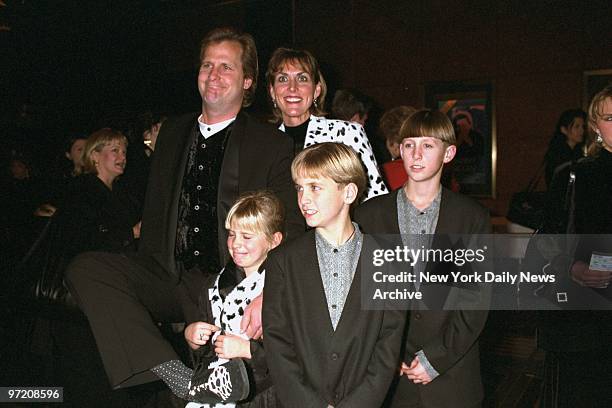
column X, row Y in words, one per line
column 595, row 113
column 260, row 212
column 306, row 61
column 336, row 161
column 429, row 123
column 96, row 142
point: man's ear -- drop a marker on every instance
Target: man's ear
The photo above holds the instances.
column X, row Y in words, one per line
column 450, row 153
column 277, row 238
column 350, row 193
column 247, row 83
column 564, row 130
column 68, row 155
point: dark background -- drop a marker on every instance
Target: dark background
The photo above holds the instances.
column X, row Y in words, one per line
column 79, row 65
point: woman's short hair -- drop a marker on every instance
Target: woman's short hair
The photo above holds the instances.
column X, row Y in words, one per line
column 429, row 123
column 392, row 120
column 595, row 113
column 250, row 67
column 260, row 212
column 96, row 142
column 336, row 161
column 305, row 60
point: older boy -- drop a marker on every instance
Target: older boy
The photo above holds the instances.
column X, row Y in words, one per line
column 441, row 361
column 321, row 348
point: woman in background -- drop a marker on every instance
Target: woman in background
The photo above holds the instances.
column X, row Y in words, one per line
column 390, row 124
column 566, row 143
column 98, row 214
column 70, row 168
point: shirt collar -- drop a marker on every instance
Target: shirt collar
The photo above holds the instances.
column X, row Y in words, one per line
column 349, row 244
column 432, row 207
column 209, row 130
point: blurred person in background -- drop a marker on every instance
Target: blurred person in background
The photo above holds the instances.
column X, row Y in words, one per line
column 390, row 125
column 567, row 142
column 140, row 151
column 351, row 105
column 71, row 167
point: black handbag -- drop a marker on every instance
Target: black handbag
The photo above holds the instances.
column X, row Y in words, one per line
column 527, row 206
column 42, row 268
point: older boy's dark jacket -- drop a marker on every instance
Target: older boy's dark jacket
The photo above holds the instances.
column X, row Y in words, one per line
column 311, row 364
column 449, row 339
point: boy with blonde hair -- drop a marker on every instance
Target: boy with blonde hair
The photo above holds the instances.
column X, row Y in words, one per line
column 321, row 348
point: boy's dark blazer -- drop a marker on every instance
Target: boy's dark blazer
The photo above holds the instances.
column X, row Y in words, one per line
column 449, row 339
column 311, row 365
column 257, row 156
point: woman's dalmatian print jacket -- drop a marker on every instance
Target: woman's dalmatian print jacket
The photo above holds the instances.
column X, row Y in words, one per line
column 322, row 130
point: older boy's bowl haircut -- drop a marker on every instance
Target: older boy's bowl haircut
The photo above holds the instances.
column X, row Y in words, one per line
column 336, row 161
column 429, row 123
column 260, row 212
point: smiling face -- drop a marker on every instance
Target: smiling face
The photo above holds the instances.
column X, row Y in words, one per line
column 248, row 249
column 604, row 124
column 221, row 81
column 424, row 158
column 110, row 161
column 294, row 92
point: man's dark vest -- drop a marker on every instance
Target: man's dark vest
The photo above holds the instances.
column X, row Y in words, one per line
column 197, row 226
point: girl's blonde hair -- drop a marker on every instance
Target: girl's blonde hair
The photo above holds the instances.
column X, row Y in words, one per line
column 260, row 212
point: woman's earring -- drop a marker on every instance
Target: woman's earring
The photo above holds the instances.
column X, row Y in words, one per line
column 274, row 103
column 599, row 138
column 316, row 104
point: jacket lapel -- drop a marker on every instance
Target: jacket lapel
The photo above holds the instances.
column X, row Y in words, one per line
column 352, row 305
column 229, row 189
column 179, row 156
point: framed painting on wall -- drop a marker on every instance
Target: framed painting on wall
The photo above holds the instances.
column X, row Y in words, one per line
column 470, row 108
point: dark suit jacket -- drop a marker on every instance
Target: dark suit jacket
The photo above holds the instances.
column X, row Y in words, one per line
column 257, row 156
column 449, row 339
column 311, row 364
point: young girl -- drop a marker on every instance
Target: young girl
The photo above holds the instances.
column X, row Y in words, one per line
column 254, row 224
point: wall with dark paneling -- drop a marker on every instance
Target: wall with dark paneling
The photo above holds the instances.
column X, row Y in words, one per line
column 534, row 53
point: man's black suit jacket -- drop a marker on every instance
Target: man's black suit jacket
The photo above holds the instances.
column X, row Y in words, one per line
column 311, row 364
column 257, row 156
column 449, row 339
